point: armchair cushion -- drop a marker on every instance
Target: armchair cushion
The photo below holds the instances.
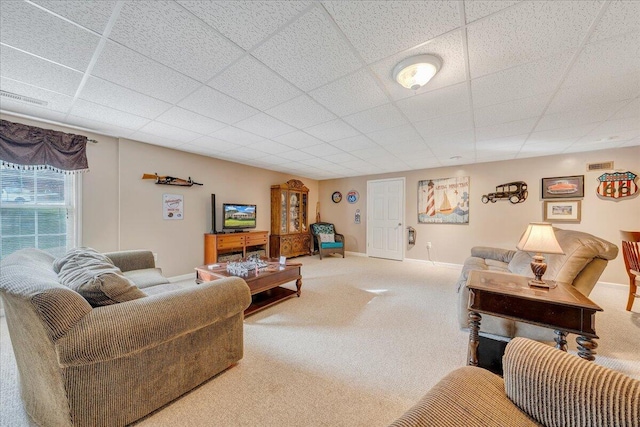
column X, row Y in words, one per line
column 331, row 245
column 323, row 228
column 327, row 238
column 94, row 276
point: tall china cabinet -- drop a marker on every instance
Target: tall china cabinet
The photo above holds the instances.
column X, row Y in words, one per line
column 289, row 220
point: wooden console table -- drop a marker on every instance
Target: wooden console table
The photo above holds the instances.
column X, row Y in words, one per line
column 218, row 244
column 563, row 309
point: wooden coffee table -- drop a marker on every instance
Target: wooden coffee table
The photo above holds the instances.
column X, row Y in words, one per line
column 265, row 285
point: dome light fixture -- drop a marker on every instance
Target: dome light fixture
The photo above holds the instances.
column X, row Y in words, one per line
column 416, row 71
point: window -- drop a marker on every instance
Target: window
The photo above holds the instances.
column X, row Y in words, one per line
column 38, row 209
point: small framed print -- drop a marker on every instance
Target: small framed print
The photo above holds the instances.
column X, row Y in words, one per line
column 562, row 211
column 562, row 187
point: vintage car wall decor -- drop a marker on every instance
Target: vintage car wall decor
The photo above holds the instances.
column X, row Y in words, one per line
column 562, row 187
column 515, row 192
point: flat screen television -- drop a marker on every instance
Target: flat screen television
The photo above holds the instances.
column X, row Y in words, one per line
column 238, row 216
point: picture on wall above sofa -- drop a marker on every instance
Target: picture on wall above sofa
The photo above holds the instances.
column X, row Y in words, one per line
column 443, row 201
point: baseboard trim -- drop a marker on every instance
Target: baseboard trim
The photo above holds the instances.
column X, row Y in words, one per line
column 355, row 254
column 182, row 277
column 613, row 284
column 437, row 263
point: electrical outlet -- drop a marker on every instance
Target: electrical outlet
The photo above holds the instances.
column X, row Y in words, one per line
column 429, row 245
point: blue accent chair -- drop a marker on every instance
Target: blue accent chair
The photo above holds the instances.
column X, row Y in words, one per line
column 325, row 239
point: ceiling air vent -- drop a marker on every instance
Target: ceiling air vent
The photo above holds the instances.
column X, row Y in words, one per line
column 22, row 98
column 599, row 166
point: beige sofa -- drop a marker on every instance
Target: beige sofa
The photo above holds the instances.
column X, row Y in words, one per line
column 541, row 386
column 111, row 365
column 585, row 258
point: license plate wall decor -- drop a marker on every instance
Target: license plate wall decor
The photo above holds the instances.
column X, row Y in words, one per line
column 617, row 185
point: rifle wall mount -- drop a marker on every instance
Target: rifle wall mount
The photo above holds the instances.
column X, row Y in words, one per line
column 169, row 180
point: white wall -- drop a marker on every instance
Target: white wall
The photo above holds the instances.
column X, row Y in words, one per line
column 495, row 224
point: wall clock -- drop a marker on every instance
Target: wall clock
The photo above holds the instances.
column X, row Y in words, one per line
column 336, row 197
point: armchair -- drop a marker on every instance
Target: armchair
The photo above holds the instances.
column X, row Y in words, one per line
column 325, row 239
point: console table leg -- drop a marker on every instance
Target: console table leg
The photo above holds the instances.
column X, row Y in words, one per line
column 586, row 347
column 474, row 329
column 561, row 340
column 298, row 286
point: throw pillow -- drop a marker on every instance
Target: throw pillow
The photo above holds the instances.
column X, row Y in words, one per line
column 94, row 276
column 326, row 238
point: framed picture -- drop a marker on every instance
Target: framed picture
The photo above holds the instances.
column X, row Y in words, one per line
column 562, row 210
column 443, row 201
column 562, row 187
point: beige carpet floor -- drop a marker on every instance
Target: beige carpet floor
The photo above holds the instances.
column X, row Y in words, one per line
column 366, row 340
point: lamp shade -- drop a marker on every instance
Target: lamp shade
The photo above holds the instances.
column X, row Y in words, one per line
column 416, row 71
column 539, row 238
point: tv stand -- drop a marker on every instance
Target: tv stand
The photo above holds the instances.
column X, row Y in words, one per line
column 239, row 243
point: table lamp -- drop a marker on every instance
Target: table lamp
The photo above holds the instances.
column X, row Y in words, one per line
column 541, row 239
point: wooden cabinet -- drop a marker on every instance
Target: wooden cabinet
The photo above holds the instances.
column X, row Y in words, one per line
column 234, row 246
column 289, row 220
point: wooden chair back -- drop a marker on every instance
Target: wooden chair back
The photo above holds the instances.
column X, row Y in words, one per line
column 631, row 254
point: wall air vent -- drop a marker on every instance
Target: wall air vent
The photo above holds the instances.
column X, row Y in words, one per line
column 22, row 98
column 599, row 166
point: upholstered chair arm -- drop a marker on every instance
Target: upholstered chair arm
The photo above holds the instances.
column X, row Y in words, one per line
column 503, row 255
column 559, row 389
column 339, row 237
column 119, row 330
column 132, row 260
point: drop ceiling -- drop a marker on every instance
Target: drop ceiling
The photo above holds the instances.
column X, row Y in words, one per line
column 305, row 87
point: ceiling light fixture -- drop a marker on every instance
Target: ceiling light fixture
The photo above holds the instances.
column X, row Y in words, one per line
column 416, row 71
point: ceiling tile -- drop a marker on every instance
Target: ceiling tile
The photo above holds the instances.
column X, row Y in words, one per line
column 264, row 125
column 275, row 159
column 301, row 112
column 617, row 129
column 521, row 81
column 565, row 134
column 254, row 84
column 383, row 117
column 246, row 23
column 268, row 146
column 450, row 139
column 28, row 69
column 597, row 91
column 630, row 110
column 55, row 101
column 33, row 30
column 407, row 147
column 235, row 135
column 127, row 68
column 621, row 17
column 515, row 142
column 445, row 124
column 173, row 133
column 179, row 117
column 167, row 33
column 321, row 150
column 580, row 147
column 98, row 126
column 394, row 135
column 154, row 139
column 354, row 143
column 380, row 29
column 605, row 59
column 441, row 102
column 332, row 130
column 298, row 139
column 89, row 110
column 355, row 92
column 93, row 15
column 544, row 148
column 28, row 109
column 371, row 153
column 213, row 104
column 109, row 94
column 214, row 145
column 447, row 47
column 511, row 111
column 501, row 130
column 583, row 116
column 340, row 157
column 477, row 9
column 529, row 31
column 309, row 53
column 295, row 155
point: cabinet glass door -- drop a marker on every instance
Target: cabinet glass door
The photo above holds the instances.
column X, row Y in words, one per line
column 303, row 212
column 294, row 209
column 283, row 212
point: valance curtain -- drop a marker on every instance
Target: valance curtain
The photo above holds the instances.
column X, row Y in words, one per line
column 30, row 147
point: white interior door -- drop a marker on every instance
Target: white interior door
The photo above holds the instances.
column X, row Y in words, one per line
column 385, row 218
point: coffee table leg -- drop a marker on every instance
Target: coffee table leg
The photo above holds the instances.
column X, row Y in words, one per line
column 561, row 340
column 474, row 329
column 298, row 286
column 586, row 347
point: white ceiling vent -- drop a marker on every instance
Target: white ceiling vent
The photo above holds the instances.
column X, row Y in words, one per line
column 599, row 166
column 22, row 98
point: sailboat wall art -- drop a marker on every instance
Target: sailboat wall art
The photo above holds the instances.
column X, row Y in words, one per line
column 443, row 201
